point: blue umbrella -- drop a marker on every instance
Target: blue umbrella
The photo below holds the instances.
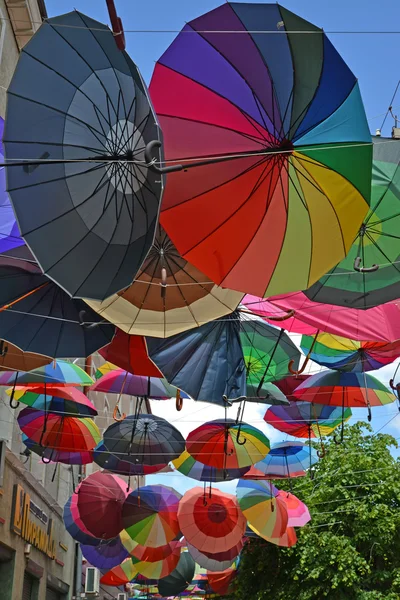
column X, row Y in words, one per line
column 288, row 459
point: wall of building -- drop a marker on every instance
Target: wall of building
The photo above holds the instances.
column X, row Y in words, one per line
column 55, row 573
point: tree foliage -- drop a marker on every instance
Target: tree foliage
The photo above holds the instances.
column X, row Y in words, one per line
column 351, row 548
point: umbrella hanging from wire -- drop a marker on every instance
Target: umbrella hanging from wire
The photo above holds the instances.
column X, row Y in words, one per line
column 109, row 554
column 369, row 274
column 67, row 401
column 78, row 157
column 287, row 459
column 180, row 578
column 67, row 457
column 129, row 352
column 152, row 563
column 215, row 561
column 282, row 115
column 168, row 296
column 77, row 530
column 116, row 464
column 14, row 359
column 190, row 467
column 264, row 510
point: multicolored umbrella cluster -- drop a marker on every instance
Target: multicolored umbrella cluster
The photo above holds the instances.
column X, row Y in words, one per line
column 280, row 216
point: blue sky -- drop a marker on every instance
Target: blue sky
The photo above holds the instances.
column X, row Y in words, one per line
column 374, row 58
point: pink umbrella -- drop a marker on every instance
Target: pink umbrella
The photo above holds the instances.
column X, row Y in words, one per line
column 276, row 316
column 298, row 513
column 377, row 324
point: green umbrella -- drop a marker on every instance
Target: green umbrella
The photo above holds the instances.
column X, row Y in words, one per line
column 370, row 273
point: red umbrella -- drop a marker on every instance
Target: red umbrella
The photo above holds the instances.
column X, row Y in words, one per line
column 99, row 501
column 211, row 522
column 221, row 581
column 129, row 352
column 288, row 384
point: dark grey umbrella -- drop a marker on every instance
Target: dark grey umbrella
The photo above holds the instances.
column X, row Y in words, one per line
column 180, row 578
column 38, row 316
column 79, row 117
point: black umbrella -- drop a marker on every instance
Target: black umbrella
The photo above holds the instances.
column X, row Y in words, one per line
column 38, row 316
column 79, row 117
column 144, row 439
column 180, row 578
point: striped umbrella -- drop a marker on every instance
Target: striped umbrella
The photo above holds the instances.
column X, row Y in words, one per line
column 287, row 459
column 58, row 373
column 215, row 561
column 306, row 419
column 103, row 369
column 264, row 510
column 224, row 444
column 65, row 400
column 66, row 457
column 59, row 432
column 123, row 573
column 212, row 522
column 189, row 466
column 123, row 382
column 152, row 563
column 150, row 515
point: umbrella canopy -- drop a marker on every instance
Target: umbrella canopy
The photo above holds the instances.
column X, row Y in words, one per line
column 58, row 431
column 144, row 439
column 264, row 510
column 95, row 209
column 287, row 539
column 276, row 316
column 114, row 463
column 150, row 562
column 99, row 501
column 58, row 373
column 189, row 466
column 123, row 573
column 340, row 353
column 335, row 388
column 287, row 385
column 215, row 561
column 123, row 382
column 288, row 459
column 306, row 419
column 378, row 324
column 129, row 352
column 224, row 444
column 233, row 357
column 298, row 512
column 369, row 274
column 106, row 367
column 58, row 326
column 67, row 457
column 221, row 582
column 150, row 515
column 14, row 359
column 168, row 296
column 108, row 554
column 212, row 523
column 63, row 401
column 180, row 578
column 75, row 528
column 292, row 188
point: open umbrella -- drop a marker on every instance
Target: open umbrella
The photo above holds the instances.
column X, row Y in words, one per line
column 264, row 510
column 129, row 352
column 123, row 573
column 65, row 400
column 211, row 523
column 369, row 274
column 38, row 316
column 274, row 315
column 14, row 359
column 58, row 431
column 94, row 205
column 189, row 466
column 234, row 357
column 288, row 459
column 298, row 513
column 282, row 115
column 335, row 388
column 58, row 373
column 180, row 578
column 67, row 457
column 150, row 515
column 225, row 444
column 343, row 354
column 222, row 582
column 123, row 382
column 76, row 529
column 115, row 464
column 168, row 296
column 108, row 554
column 152, row 563
column 215, row 561
column 144, row 439
column 99, row 500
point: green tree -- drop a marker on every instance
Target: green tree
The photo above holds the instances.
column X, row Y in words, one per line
column 351, row 548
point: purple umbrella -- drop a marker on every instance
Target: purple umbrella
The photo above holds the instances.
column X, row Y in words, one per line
column 123, row 382
column 9, row 233
column 106, row 555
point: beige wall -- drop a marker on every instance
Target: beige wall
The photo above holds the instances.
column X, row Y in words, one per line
column 8, row 55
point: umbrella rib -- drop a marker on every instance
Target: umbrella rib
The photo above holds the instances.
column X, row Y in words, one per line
column 56, row 144
column 63, row 178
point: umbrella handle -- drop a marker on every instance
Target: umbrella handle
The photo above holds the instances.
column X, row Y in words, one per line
column 178, row 401
column 46, row 461
column 163, row 282
column 321, row 453
column 3, row 348
column 151, row 161
column 293, row 371
column 357, row 266
column 12, row 405
column 290, row 313
column 115, row 414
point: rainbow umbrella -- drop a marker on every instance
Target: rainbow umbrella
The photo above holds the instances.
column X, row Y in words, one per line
column 123, row 573
column 65, row 400
column 152, row 563
column 123, row 382
column 189, row 466
column 287, row 459
column 58, row 456
column 335, row 388
column 114, row 463
column 343, row 354
column 103, row 369
column 287, row 539
column 284, row 120
column 150, row 517
column 58, row 431
column 57, row 373
column 306, row 419
column 213, row 522
column 107, row 555
column 224, row 444
column 264, row 510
